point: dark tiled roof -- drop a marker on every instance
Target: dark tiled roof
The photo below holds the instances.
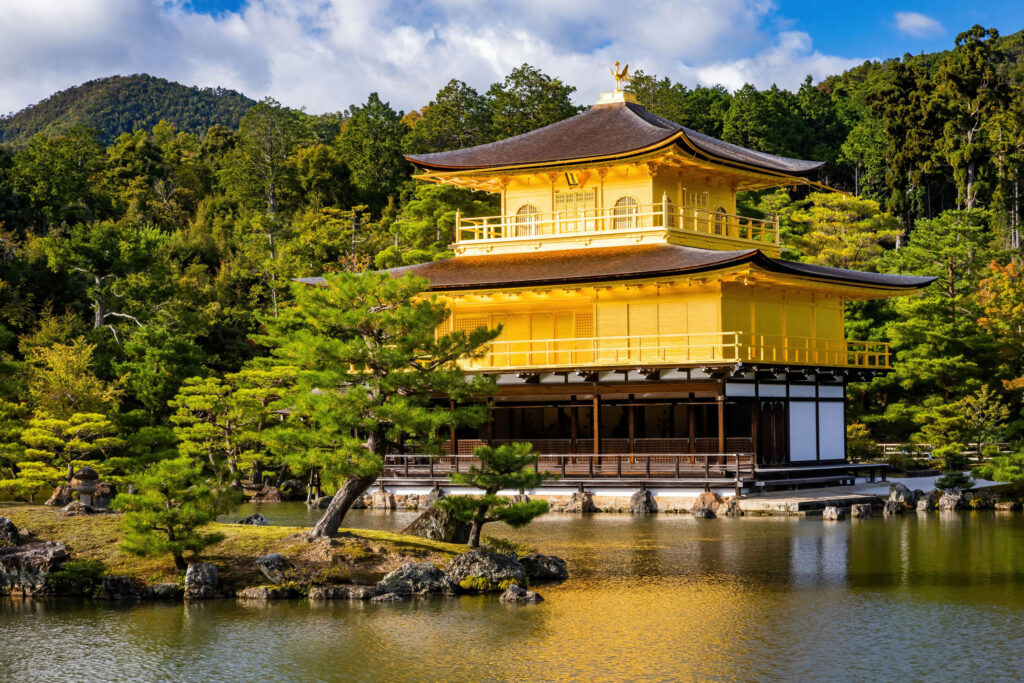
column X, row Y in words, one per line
column 618, row 263
column 607, row 130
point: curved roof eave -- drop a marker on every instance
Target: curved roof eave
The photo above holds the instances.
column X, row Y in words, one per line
column 630, row 129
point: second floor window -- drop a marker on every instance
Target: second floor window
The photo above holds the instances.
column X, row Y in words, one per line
column 720, row 221
column 526, row 220
column 624, row 213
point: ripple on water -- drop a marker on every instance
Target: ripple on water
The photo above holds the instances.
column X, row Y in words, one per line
column 651, row 598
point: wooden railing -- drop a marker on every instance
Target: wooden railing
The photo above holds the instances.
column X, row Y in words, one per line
column 679, row 349
column 730, row 467
column 662, row 216
column 610, row 445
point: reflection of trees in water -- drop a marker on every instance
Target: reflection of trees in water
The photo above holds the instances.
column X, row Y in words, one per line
column 939, row 550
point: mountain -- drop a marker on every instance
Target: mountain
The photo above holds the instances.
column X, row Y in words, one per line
column 121, row 104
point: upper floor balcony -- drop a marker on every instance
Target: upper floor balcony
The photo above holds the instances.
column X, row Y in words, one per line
column 629, row 223
column 668, row 350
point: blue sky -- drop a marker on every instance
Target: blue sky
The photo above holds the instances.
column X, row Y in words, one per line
column 327, row 54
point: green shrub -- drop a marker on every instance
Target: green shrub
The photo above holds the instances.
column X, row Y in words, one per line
column 508, row 547
column 77, row 577
column 860, row 445
column 954, row 462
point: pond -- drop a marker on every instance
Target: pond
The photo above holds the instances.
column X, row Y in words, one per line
column 650, row 598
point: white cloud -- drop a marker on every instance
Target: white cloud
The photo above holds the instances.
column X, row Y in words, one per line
column 918, row 25
column 327, row 54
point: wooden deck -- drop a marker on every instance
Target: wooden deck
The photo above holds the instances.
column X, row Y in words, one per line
column 683, row 470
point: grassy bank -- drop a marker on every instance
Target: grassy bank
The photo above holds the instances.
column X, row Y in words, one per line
column 356, row 556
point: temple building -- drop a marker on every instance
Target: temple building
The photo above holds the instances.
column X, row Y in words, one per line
column 650, row 333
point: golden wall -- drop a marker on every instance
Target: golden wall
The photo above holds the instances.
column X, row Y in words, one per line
column 677, row 322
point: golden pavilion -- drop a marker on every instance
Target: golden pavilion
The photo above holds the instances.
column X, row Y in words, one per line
column 650, row 334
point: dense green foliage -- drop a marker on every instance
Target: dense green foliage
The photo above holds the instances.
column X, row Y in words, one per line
column 366, row 363
column 122, row 104
column 146, row 268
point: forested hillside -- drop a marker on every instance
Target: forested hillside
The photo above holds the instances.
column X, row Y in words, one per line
column 122, row 104
column 131, row 265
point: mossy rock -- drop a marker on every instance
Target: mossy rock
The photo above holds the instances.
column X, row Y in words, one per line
column 477, row 584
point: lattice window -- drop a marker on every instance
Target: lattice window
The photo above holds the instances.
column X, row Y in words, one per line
column 573, row 202
column 696, row 200
column 584, row 324
column 468, row 323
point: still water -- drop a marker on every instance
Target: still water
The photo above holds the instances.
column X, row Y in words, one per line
column 664, row 597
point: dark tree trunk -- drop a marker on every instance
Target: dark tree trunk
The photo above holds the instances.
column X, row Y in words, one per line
column 474, row 533
column 349, row 493
column 179, row 562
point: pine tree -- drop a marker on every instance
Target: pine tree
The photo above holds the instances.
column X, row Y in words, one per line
column 68, row 441
column 173, row 500
column 367, row 363
column 501, row 468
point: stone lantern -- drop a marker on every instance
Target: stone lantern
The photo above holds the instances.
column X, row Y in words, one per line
column 83, row 482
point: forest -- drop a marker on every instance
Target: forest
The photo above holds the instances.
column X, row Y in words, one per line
column 146, row 279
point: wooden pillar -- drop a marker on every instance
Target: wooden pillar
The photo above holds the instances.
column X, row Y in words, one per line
column 454, row 440
column 597, row 431
column 691, row 426
column 574, row 426
column 632, row 426
column 721, row 424
column 755, row 427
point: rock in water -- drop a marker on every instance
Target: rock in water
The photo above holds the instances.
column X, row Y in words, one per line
column 118, row 588
column 24, row 569
column 952, row 499
column 201, row 581
column 706, row 501
column 254, row 520
column 323, row 502
column 417, row 579
column 9, row 534
column 266, row 593
column 860, row 510
column 61, row 496
column 383, row 500
column 438, row 525
column 274, row 566
column 898, row 493
column 292, row 489
column 518, row 595
column 481, row 571
column 581, row 501
column 641, row 503
column 704, row 514
column 267, row 494
column 892, row 507
column 927, row 501
column 544, row 568
column 731, row 508
column 832, row 514
column 345, row 592
column 386, row 597
column 164, row 591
